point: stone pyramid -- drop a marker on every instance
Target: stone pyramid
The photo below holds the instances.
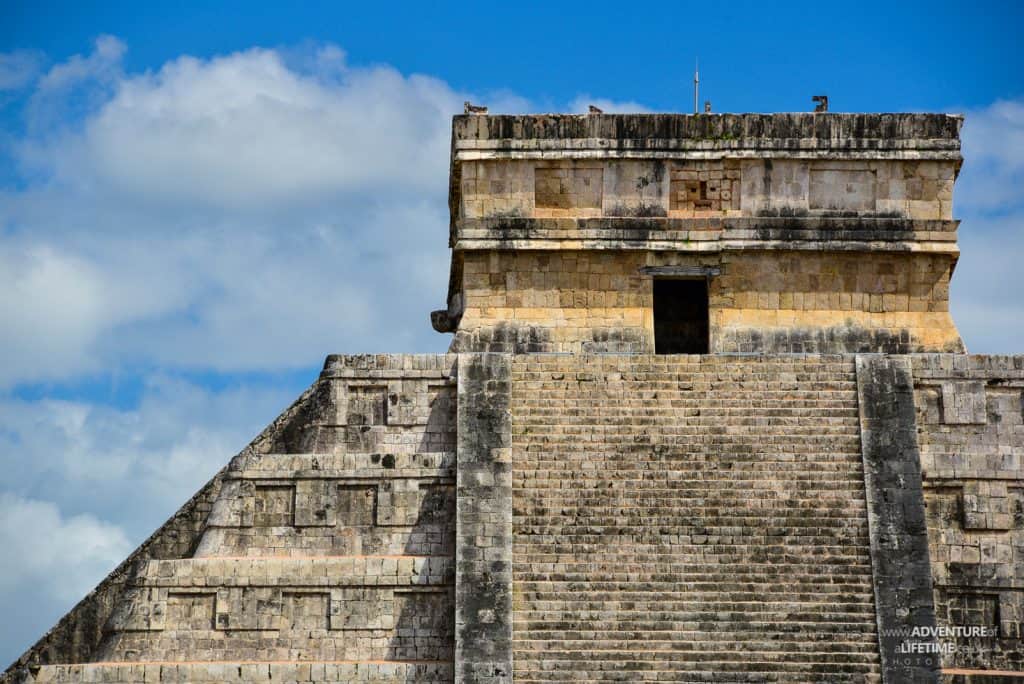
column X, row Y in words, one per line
column 706, row 418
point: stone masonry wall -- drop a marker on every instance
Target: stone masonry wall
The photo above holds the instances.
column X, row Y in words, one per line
column 779, row 302
column 694, row 188
column 759, row 301
column 970, row 428
column 689, row 518
column 536, row 302
column 243, row 673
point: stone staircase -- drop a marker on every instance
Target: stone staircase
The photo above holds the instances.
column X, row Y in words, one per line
column 689, row 518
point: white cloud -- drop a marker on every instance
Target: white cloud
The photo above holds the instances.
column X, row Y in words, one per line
column 134, row 466
column 235, row 213
column 75, row 87
column 986, row 286
column 989, row 199
column 103, row 63
column 50, row 561
column 70, row 554
column 245, row 131
column 19, row 68
column 55, row 305
column 993, row 144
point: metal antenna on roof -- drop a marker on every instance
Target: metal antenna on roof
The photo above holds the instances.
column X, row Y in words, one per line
column 696, row 85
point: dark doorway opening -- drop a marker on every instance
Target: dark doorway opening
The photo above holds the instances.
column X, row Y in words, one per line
column 681, row 316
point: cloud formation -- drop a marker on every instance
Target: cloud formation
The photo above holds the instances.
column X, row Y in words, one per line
column 989, row 199
column 41, row 545
column 235, row 213
column 247, row 133
column 50, row 561
column 993, row 173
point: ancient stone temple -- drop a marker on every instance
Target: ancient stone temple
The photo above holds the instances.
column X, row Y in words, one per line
column 705, row 418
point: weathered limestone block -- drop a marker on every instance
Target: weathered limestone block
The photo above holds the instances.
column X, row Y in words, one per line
column 963, row 403
column 139, row 610
column 280, row 609
column 394, row 403
column 635, row 188
column 987, row 506
column 315, row 503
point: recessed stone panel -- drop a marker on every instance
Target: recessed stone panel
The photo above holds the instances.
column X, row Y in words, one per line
column 315, row 503
column 305, row 611
column 974, row 610
column 963, row 403
column 274, row 505
column 841, row 189
column 367, row 406
column 357, row 505
column 190, row 611
column 568, row 187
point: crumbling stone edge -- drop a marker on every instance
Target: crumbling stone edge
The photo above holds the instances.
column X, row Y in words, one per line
column 483, row 561
column 896, row 517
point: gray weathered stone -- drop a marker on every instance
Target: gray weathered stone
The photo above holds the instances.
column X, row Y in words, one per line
column 896, row 515
column 483, row 559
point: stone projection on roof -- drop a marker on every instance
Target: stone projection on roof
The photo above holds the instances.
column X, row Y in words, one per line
column 705, row 417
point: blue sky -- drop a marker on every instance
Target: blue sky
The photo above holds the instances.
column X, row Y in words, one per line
column 199, row 202
column 757, row 56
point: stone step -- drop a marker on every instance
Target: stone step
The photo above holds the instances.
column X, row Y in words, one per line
column 694, row 677
column 247, row 671
column 717, row 673
column 594, row 613
column 796, row 598
column 649, row 602
column 767, row 636
column 376, row 465
column 792, row 651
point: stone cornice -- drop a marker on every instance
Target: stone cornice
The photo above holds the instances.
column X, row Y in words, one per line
column 835, row 136
column 704, row 235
